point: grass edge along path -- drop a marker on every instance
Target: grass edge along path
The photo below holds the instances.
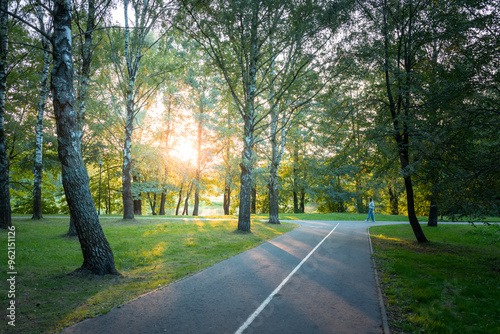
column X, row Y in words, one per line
column 148, row 253
column 449, row 285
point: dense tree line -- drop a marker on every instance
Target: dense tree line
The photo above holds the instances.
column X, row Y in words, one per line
column 272, row 105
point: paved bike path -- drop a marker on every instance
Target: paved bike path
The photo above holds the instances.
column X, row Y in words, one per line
column 333, row 291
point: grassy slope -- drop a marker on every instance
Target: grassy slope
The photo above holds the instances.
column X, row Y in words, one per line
column 148, row 253
column 449, row 285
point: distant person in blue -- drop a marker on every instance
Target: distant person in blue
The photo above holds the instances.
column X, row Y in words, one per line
column 371, row 208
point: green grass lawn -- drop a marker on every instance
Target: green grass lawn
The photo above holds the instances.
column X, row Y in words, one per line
column 449, row 285
column 148, row 253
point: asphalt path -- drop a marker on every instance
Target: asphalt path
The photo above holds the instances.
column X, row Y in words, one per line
column 318, row 278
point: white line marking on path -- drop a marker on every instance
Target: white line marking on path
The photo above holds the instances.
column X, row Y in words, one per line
column 270, row 297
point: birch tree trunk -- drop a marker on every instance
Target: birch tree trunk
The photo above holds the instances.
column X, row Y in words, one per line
column 97, row 255
column 37, row 183
column 276, row 156
column 42, row 100
column 84, row 79
column 128, row 201
column 133, row 54
column 246, row 164
column 277, row 151
column 5, row 209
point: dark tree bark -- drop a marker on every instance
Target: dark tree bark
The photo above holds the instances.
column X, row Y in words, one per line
column 197, row 180
column 298, row 190
column 186, row 201
column 273, row 194
column 5, row 209
column 253, row 209
column 161, row 212
column 97, row 255
column 302, row 207
column 72, row 229
column 400, row 108
column 196, row 202
column 136, row 202
column 227, row 199
column 108, row 208
column 433, row 214
column 152, row 203
column 393, row 201
column 180, row 200
column 295, row 177
column 246, row 165
column 137, row 207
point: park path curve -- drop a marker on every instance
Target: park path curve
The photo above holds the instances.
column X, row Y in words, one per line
column 318, row 278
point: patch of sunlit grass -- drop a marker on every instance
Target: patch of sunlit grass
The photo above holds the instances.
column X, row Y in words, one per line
column 148, row 253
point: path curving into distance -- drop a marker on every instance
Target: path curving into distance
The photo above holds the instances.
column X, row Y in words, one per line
column 318, row 278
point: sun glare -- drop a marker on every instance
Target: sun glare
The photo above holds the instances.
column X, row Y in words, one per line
column 184, row 150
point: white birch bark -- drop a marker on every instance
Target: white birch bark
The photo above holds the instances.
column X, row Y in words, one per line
column 5, row 209
column 97, row 255
column 37, row 182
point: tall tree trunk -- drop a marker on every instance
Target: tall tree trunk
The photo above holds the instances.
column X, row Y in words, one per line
column 360, row 208
column 136, row 202
column 433, row 213
column 248, row 114
column 72, row 228
column 246, row 167
column 245, row 197
column 227, row 199
column 180, row 200
column 137, row 207
column 163, row 198
column 37, row 182
column 273, row 194
column 253, row 209
column 302, row 207
column 132, row 63
column 83, row 85
column 97, row 255
column 196, row 201
column 161, row 212
column 108, row 208
column 401, row 131
column 152, row 203
column 393, row 201
column 186, row 201
column 275, row 154
column 197, row 180
column 128, row 201
column 5, row 209
column 295, row 177
column 227, row 187
column 42, row 99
